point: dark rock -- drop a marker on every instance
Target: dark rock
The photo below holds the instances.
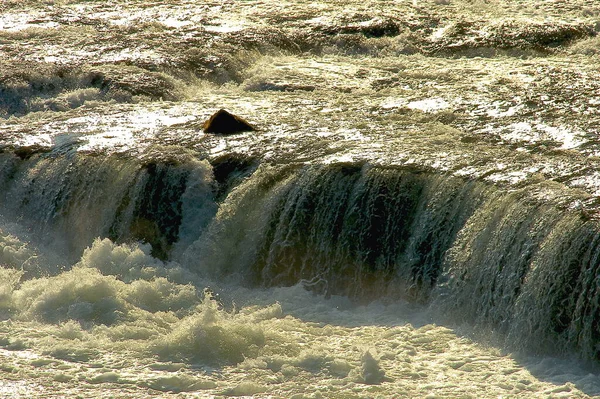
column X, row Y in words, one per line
column 229, row 170
column 226, row 123
column 27, row 152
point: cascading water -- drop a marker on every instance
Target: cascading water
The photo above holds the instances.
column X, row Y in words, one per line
column 70, row 200
column 509, row 261
column 415, row 214
column 519, row 262
column 359, row 230
column 504, row 260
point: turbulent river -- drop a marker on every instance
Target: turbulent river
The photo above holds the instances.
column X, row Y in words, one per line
column 416, row 215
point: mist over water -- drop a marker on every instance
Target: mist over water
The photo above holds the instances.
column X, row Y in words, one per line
column 416, row 214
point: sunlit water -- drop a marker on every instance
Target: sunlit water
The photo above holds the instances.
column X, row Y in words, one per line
column 165, row 335
column 134, row 267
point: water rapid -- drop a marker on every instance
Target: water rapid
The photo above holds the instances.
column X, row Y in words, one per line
column 415, row 214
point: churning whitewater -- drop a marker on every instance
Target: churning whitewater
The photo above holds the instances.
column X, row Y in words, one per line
column 410, row 208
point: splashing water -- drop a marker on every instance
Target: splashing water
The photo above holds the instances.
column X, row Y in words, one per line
column 415, row 215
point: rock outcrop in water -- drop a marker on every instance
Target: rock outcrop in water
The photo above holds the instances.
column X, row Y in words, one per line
column 224, row 122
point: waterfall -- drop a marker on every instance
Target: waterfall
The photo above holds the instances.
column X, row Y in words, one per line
column 68, row 201
column 519, row 261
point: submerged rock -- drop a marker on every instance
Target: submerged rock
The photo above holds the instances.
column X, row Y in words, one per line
column 226, row 123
